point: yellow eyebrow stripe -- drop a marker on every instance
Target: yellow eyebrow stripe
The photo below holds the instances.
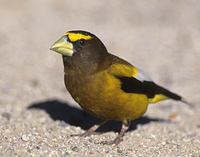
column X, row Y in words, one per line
column 77, row 36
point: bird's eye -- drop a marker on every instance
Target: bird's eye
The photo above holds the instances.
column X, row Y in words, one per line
column 81, row 42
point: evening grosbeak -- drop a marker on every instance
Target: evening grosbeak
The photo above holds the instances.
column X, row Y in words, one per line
column 105, row 85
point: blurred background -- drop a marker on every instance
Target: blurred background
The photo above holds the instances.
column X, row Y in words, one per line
column 161, row 37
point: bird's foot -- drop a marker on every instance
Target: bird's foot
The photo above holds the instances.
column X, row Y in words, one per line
column 90, row 131
column 85, row 134
column 120, row 136
column 114, row 142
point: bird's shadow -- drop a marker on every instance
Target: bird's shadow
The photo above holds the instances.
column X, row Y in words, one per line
column 74, row 116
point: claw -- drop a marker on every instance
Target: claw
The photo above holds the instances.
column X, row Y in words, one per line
column 85, row 134
column 114, row 142
column 119, row 138
column 90, row 131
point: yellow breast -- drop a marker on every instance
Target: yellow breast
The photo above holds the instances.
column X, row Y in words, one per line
column 103, row 97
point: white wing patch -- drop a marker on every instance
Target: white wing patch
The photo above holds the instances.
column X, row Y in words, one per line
column 142, row 76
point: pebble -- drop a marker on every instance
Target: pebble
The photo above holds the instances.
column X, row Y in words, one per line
column 25, row 138
column 75, row 149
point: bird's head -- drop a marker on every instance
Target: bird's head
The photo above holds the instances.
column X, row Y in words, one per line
column 78, row 43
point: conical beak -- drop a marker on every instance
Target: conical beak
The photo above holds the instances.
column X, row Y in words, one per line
column 63, row 46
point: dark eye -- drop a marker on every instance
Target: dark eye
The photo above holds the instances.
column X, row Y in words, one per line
column 81, row 42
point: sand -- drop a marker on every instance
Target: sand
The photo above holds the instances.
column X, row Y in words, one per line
column 37, row 114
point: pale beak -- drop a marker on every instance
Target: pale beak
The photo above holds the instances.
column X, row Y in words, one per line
column 63, row 47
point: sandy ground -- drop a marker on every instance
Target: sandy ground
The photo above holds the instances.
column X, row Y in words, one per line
column 37, row 115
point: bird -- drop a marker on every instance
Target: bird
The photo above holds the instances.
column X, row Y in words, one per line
column 105, row 85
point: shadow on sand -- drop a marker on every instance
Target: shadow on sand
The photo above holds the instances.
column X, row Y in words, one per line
column 62, row 111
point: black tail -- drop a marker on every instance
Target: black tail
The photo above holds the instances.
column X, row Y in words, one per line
column 169, row 94
column 149, row 88
column 173, row 95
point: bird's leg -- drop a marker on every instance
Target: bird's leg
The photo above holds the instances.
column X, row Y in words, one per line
column 119, row 138
column 91, row 130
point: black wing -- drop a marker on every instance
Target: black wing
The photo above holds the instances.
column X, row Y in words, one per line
column 149, row 88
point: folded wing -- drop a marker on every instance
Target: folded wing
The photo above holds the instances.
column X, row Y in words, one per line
column 134, row 80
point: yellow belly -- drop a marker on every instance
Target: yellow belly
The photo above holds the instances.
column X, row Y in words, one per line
column 103, row 97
